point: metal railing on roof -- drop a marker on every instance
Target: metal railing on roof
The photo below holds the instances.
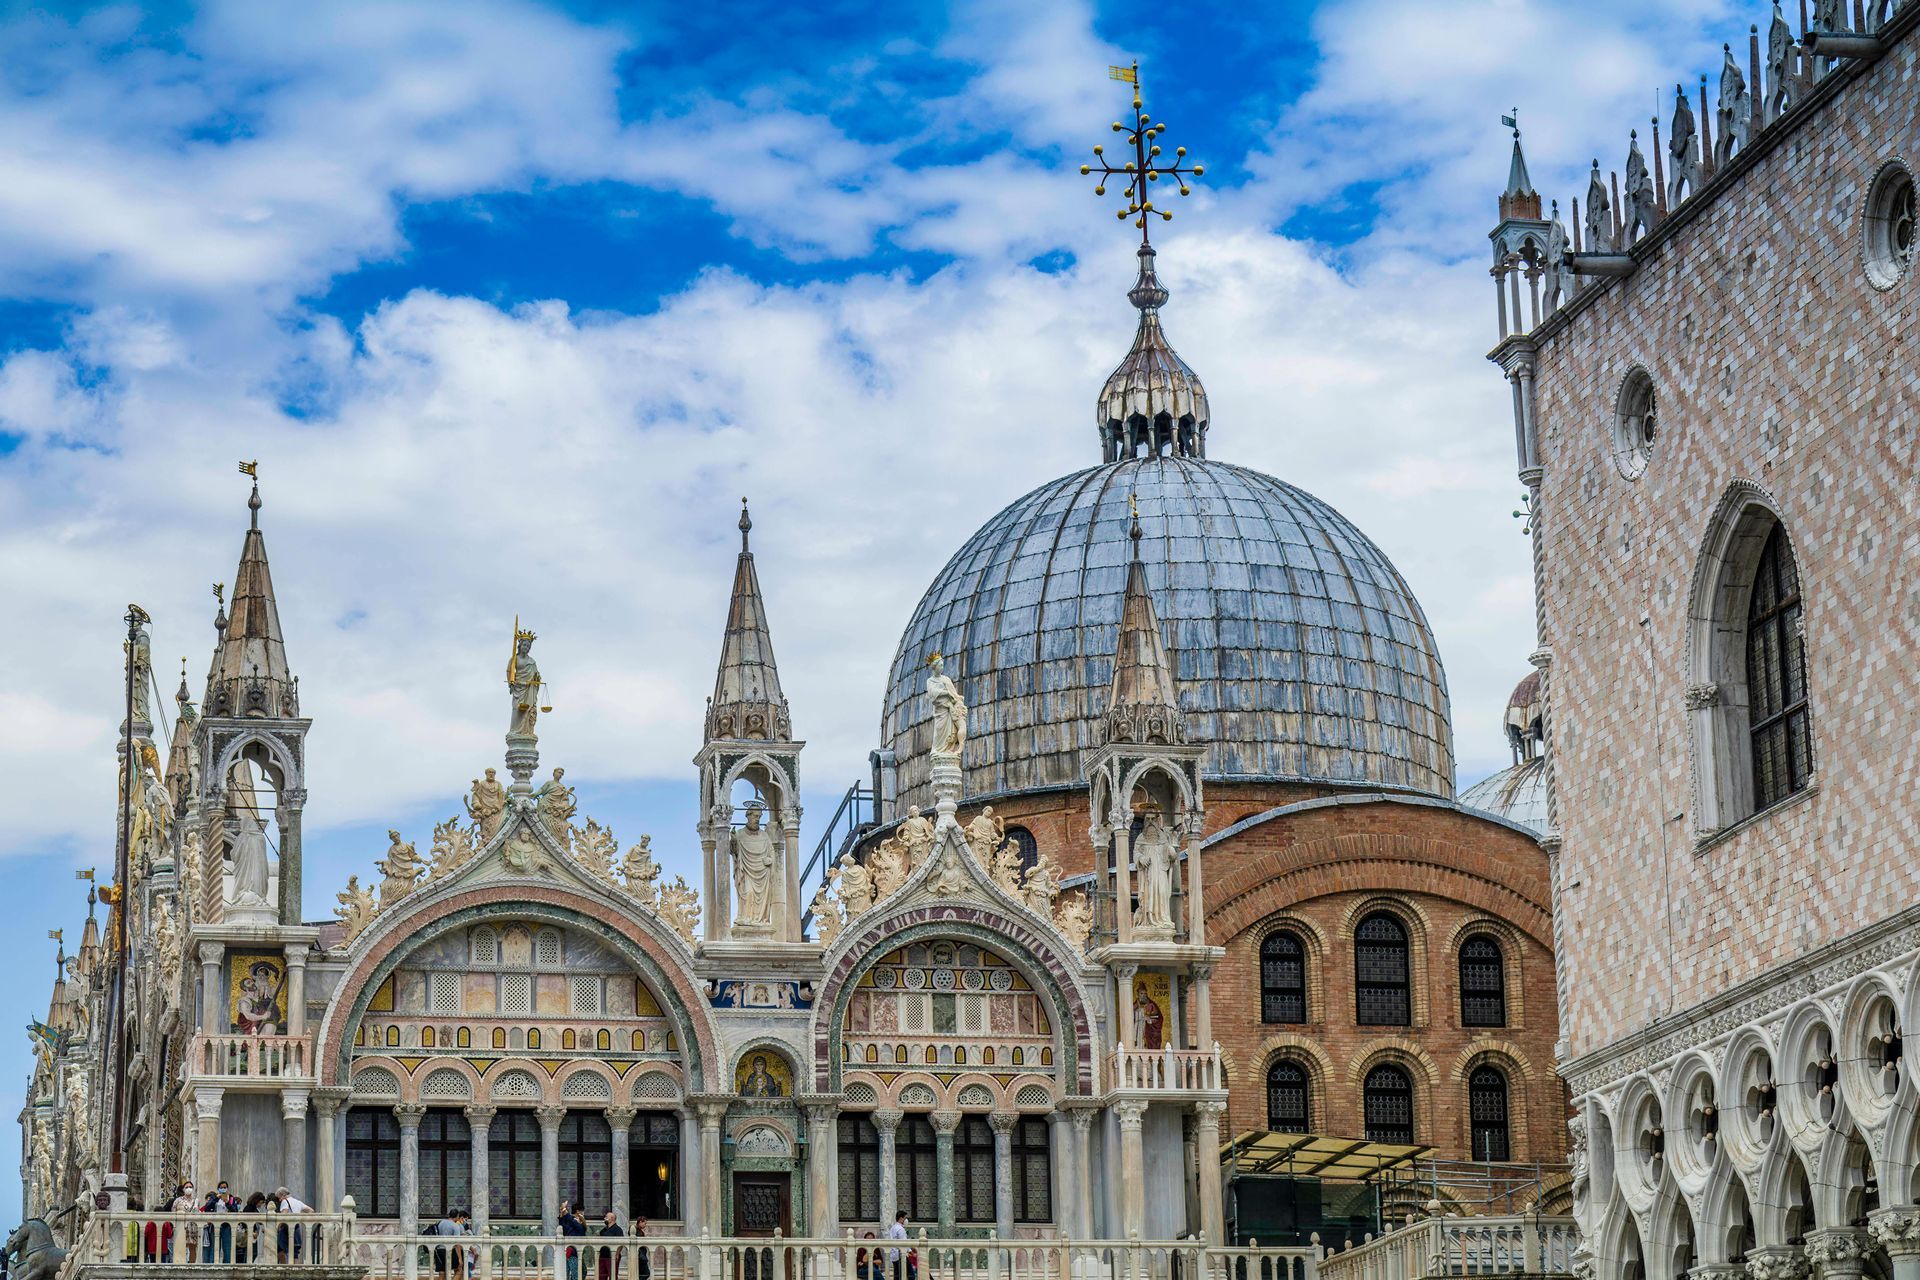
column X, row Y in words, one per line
column 854, row 817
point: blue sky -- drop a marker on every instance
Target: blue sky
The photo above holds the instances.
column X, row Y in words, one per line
column 513, row 301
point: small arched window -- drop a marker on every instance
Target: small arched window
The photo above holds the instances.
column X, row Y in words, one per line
column 1388, row 1103
column 1287, row 1108
column 1283, row 978
column 1382, row 992
column 1487, row 1112
column 1483, row 983
column 1777, row 676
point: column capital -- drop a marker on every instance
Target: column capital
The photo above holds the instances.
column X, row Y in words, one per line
column 1131, row 1112
column 1209, row 1110
column 944, row 1121
column 549, row 1117
column 1776, row 1262
column 293, row 1104
column 327, row 1100
column 206, row 1102
column 297, row 954
column 1002, row 1121
column 1201, row 972
column 887, row 1119
column 210, row 952
column 818, row 1108
column 409, row 1114
column 1082, row 1118
column 1897, row 1230
column 620, row 1118
column 1839, row 1250
column 480, row 1113
column 712, row 1108
column 1125, row 973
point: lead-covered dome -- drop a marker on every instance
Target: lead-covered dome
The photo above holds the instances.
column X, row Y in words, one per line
column 1301, row 652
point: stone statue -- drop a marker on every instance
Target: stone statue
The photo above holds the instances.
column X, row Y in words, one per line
column 1734, row 114
column 1779, row 63
column 556, row 803
column 42, row 1182
column 985, row 835
column 826, row 914
column 399, row 870
column 1643, row 200
column 888, row 863
column 139, row 651
column 916, row 837
column 951, row 878
column 1006, row 867
column 1042, row 886
column 487, row 805
column 166, row 936
column 1683, row 156
column 1560, row 281
column 79, row 1122
column 949, row 711
column 1154, row 857
column 856, row 886
column 356, row 907
column 680, row 907
column 523, row 682
column 1599, row 213
column 594, row 847
column 639, row 870
column 249, row 861
column 452, row 847
column 1074, row 918
column 756, row 864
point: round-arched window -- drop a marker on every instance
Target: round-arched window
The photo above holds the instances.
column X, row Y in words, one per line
column 1889, row 230
column 1387, row 1101
column 1636, row 423
column 1487, row 1112
column 1288, row 1110
column 1283, row 977
column 1382, row 989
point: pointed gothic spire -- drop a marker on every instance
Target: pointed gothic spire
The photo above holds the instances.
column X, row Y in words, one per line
column 1519, row 200
column 747, row 701
column 59, row 1008
column 249, row 675
column 1154, row 399
column 89, row 954
column 1143, row 705
column 179, row 779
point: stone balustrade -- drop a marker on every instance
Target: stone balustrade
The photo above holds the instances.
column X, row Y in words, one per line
column 1516, row 1244
column 252, row 1057
column 1168, row 1070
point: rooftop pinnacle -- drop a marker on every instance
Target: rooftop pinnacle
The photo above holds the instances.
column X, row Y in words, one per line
column 747, row 701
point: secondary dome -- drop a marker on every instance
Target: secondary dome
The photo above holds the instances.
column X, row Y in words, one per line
column 1301, row 652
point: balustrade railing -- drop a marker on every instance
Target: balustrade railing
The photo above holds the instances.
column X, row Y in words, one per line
column 251, row 1056
column 219, row 1239
column 1168, row 1069
column 1492, row 1246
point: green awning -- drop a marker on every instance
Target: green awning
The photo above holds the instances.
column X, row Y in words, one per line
column 1314, row 1155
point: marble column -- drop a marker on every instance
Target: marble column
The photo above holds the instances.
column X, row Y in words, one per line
column 620, row 1120
column 944, row 1123
column 1059, row 1169
column 297, row 989
column 1840, row 1253
column 480, row 1179
column 1196, row 894
column 887, row 1123
column 1002, row 1123
column 1133, row 1161
column 291, row 802
column 687, row 1188
column 1203, row 1009
column 213, row 1009
column 823, row 1206
column 1897, row 1230
column 549, row 1118
column 1206, row 1140
column 326, row 1109
column 293, row 1144
column 1123, row 880
column 206, row 1111
column 713, row 1114
column 1123, row 1007
column 1080, row 1172
column 409, row 1114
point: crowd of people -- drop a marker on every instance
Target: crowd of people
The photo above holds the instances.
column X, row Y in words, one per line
column 223, row 1243
column 461, row 1261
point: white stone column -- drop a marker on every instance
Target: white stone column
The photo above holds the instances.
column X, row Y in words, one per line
column 1133, row 1161
column 1196, row 892
column 1123, row 1007
column 1002, row 1123
column 1840, row 1253
column 479, row 1138
column 1080, row 1171
column 1897, row 1230
column 688, row 1187
column 620, row 1120
column 1123, row 874
column 1060, row 1169
column 409, row 1114
column 206, row 1112
column 326, row 1110
column 549, row 1118
column 212, row 1007
column 823, row 1210
column 1206, row 1140
column 1203, row 1007
column 713, row 1113
column 293, row 1145
column 790, row 827
column 887, row 1123
column 296, row 988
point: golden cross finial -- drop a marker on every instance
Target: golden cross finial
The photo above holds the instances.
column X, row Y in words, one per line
column 1146, row 167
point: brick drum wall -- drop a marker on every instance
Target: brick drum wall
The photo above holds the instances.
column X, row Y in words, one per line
column 1776, row 363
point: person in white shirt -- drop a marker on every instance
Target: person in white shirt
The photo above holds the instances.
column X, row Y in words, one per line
column 898, row 1231
column 284, row 1201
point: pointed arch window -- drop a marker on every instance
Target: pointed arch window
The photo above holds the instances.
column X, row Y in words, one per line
column 1288, row 1108
column 1387, row 1100
column 1487, row 1113
column 1283, row 977
column 1382, row 990
column 1483, row 983
column 1777, row 676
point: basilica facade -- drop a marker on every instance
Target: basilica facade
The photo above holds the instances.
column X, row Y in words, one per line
column 1164, row 868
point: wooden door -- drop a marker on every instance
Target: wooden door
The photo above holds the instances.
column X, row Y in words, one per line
column 762, row 1205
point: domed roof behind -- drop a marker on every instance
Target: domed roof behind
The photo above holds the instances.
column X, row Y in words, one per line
column 1517, row 793
column 1301, row 652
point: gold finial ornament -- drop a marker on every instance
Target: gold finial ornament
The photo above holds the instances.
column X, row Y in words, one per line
column 251, row 468
column 1146, row 165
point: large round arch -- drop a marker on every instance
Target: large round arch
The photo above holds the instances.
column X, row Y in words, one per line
column 653, row 958
column 1044, row 961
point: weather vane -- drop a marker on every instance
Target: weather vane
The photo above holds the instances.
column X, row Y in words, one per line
column 1146, row 167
